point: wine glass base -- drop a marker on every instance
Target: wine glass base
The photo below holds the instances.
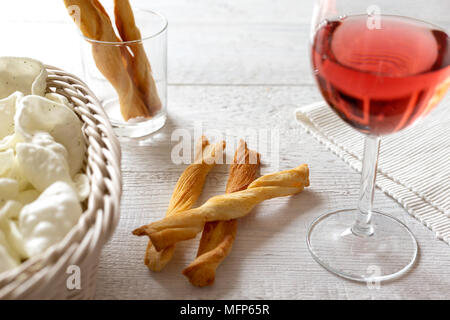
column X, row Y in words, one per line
column 386, row 254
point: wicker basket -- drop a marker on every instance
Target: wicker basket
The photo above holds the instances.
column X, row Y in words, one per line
column 47, row 276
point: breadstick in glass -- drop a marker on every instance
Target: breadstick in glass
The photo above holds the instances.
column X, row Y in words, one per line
column 110, row 60
column 139, row 69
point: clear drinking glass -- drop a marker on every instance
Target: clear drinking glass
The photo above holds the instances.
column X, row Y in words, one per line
column 380, row 65
column 153, row 28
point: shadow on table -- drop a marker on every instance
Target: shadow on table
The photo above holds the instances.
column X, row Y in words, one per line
column 296, row 212
column 304, row 203
column 260, row 229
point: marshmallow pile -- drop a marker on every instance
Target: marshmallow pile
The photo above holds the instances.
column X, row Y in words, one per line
column 41, row 160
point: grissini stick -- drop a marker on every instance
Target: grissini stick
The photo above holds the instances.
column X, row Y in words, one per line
column 218, row 236
column 140, row 68
column 185, row 225
column 95, row 24
column 186, row 192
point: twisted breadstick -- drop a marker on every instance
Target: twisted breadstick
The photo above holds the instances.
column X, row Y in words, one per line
column 186, row 224
column 140, row 68
column 95, row 24
column 218, row 236
column 186, row 192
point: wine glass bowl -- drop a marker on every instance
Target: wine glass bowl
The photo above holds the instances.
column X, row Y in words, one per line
column 380, row 68
column 381, row 80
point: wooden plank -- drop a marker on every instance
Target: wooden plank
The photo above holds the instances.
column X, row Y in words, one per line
column 188, row 11
column 239, row 54
column 220, row 54
column 226, row 12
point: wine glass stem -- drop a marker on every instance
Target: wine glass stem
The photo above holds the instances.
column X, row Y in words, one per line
column 363, row 224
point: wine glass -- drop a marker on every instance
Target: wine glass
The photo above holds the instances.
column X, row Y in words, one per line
column 380, row 65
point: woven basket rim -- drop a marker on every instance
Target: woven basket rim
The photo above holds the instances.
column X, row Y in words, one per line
column 52, row 255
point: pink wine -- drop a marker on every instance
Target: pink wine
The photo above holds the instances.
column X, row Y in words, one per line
column 381, row 80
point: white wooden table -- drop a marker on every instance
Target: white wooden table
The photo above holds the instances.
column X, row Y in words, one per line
column 233, row 64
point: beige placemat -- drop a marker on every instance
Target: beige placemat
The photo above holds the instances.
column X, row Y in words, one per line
column 414, row 165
